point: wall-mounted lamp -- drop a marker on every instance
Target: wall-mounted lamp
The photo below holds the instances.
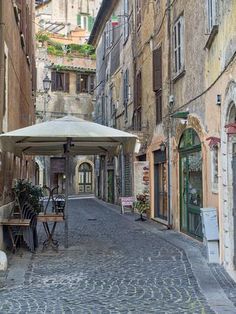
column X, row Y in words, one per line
column 46, row 84
column 163, row 146
column 218, row 100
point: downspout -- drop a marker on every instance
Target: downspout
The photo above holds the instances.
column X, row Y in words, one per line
column 170, row 105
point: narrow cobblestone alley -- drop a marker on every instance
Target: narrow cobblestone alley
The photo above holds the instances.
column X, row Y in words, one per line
column 114, row 265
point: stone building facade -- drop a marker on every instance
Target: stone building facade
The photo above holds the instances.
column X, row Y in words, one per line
column 72, row 76
column 64, row 16
column 114, row 92
column 182, row 106
column 17, row 90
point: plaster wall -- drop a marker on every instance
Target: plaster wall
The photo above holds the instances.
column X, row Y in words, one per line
column 159, row 131
column 17, row 109
column 221, row 73
column 61, row 103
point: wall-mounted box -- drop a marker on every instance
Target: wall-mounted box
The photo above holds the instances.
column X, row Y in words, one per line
column 211, row 233
column 210, row 224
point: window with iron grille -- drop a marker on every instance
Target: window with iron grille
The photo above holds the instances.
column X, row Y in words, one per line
column 60, row 81
column 179, row 45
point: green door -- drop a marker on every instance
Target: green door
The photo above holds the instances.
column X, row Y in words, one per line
column 190, row 183
column 85, row 178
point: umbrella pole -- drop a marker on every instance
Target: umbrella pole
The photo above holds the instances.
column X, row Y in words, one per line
column 66, row 194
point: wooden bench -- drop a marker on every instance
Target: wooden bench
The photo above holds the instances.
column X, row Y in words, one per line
column 127, row 202
column 15, row 223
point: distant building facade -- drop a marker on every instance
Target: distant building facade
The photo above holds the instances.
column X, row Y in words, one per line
column 72, row 75
column 64, row 16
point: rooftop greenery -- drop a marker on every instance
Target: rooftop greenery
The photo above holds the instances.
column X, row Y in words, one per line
column 71, row 50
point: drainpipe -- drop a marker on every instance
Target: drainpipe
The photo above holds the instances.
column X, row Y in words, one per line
column 169, row 121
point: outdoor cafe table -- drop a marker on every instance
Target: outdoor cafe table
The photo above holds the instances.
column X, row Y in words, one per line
column 46, row 219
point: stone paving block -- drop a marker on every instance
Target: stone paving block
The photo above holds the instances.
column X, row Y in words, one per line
column 113, row 265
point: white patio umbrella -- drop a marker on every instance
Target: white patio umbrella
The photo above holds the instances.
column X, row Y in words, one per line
column 67, row 136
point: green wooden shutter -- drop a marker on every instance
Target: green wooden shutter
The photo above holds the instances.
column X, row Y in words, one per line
column 157, row 69
column 90, row 23
column 79, row 19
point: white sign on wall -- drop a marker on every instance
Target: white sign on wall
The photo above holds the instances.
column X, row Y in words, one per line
column 141, row 177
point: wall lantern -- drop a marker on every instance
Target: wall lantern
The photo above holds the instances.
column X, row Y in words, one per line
column 218, row 100
column 163, row 146
column 46, row 83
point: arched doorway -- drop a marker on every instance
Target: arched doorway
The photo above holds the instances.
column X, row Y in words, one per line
column 190, row 183
column 229, row 189
column 85, row 178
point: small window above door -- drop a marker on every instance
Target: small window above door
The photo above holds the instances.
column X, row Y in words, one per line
column 189, row 139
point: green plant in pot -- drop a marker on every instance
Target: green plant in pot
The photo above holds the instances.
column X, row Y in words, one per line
column 142, row 204
column 25, row 191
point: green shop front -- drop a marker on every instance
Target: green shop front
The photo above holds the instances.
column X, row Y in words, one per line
column 191, row 196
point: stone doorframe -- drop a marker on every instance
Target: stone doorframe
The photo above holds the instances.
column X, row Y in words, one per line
column 193, row 122
column 226, row 196
column 76, row 177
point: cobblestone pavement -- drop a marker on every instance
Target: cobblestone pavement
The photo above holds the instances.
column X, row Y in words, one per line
column 113, row 265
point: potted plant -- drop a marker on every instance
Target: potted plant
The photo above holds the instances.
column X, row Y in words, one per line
column 25, row 191
column 142, row 204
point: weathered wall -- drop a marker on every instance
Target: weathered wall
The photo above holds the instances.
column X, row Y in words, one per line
column 66, row 11
column 220, row 70
column 17, row 109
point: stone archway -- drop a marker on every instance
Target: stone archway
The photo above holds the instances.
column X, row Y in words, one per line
column 84, row 177
column 190, row 181
column 228, row 164
column 193, row 122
